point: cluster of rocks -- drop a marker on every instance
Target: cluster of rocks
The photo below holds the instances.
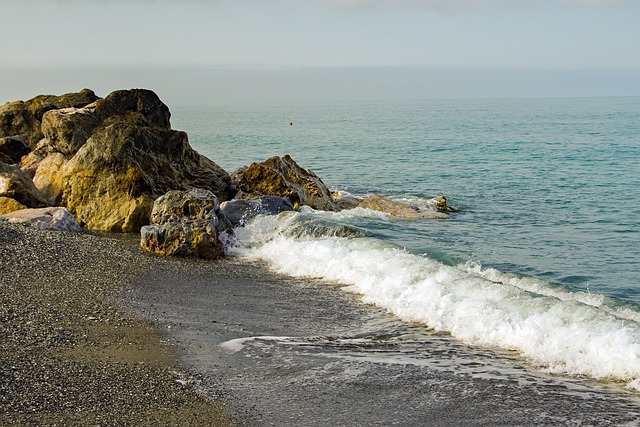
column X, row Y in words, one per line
column 114, row 164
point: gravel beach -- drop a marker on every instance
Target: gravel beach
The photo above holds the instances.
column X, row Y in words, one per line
column 94, row 331
column 70, row 355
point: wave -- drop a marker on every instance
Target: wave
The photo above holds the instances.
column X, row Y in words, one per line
column 562, row 331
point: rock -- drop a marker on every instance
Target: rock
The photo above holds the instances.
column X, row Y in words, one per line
column 67, row 129
column 186, row 223
column 197, row 203
column 321, row 229
column 344, row 200
column 112, row 181
column 138, row 104
column 48, row 177
column 379, row 203
column 109, row 160
column 24, row 118
column 17, row 185
column 52, row 218
column 12, row 149
column 17, row 119
column 440, row 203
column 283, row 177
column 238, row 212
column 236, row 177
column 8, row 205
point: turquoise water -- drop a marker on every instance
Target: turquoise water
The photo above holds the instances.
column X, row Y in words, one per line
column 546, row 188
column 542, row 257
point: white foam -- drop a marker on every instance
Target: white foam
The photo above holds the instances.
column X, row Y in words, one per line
column 564, row 332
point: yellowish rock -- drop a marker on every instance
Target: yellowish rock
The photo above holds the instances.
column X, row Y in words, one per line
column 8, row 205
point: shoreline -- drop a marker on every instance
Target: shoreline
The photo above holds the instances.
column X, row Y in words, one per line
column 71, row 354
column 96, row 331
column 302, row 351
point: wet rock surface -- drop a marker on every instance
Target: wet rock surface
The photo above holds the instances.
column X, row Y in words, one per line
column 282, row 176
column 239, row 211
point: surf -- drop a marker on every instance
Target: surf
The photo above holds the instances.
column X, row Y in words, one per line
column 557, row 329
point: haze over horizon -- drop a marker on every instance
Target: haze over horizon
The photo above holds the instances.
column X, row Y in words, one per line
column 321, row 50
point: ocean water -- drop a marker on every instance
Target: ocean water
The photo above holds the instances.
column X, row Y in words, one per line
column 542, row 257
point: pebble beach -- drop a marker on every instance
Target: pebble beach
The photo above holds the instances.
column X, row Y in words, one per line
column 70, row 355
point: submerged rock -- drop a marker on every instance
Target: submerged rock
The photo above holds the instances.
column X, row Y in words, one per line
column 186, row 223
column 344, row 200
column 51, row 218
column 401, row 210
column 440, row 203
column 285, row 178
column 238, row 212
column 321, row 229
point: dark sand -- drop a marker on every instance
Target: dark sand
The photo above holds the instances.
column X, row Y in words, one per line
column 73, row 352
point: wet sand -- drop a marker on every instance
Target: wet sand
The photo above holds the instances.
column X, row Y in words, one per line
column 290, row 352
column 91, row 327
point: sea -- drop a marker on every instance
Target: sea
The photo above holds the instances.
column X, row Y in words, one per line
column 541, row 257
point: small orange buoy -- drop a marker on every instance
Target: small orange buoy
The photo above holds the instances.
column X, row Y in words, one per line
column 290, row 123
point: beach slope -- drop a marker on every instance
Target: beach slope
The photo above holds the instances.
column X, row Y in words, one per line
column 69, row 355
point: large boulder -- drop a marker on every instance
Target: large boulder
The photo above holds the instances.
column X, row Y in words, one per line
column 113, row 180
column 52, row 218
column 13, row 149
column 66, row 130
column 186, row 223
column 285, row 178
column 17, row 185
column 239, row 211
column 24, row 118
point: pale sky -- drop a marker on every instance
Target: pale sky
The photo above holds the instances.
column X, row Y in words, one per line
column 306, row 50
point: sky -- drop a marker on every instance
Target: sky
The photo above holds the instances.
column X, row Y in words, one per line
column 199, row 51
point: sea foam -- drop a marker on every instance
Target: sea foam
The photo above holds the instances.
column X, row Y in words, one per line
column 576, row 333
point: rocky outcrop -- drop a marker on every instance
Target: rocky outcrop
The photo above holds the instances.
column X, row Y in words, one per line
column 52, row 218
column 111, row 183
column 109, row 160
column 24, row 118
column 402, row 210
column 186, row 223
column 66, row 130
column 13, row 149
column 238, row 211
column 17, row 185
column 285, row 178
